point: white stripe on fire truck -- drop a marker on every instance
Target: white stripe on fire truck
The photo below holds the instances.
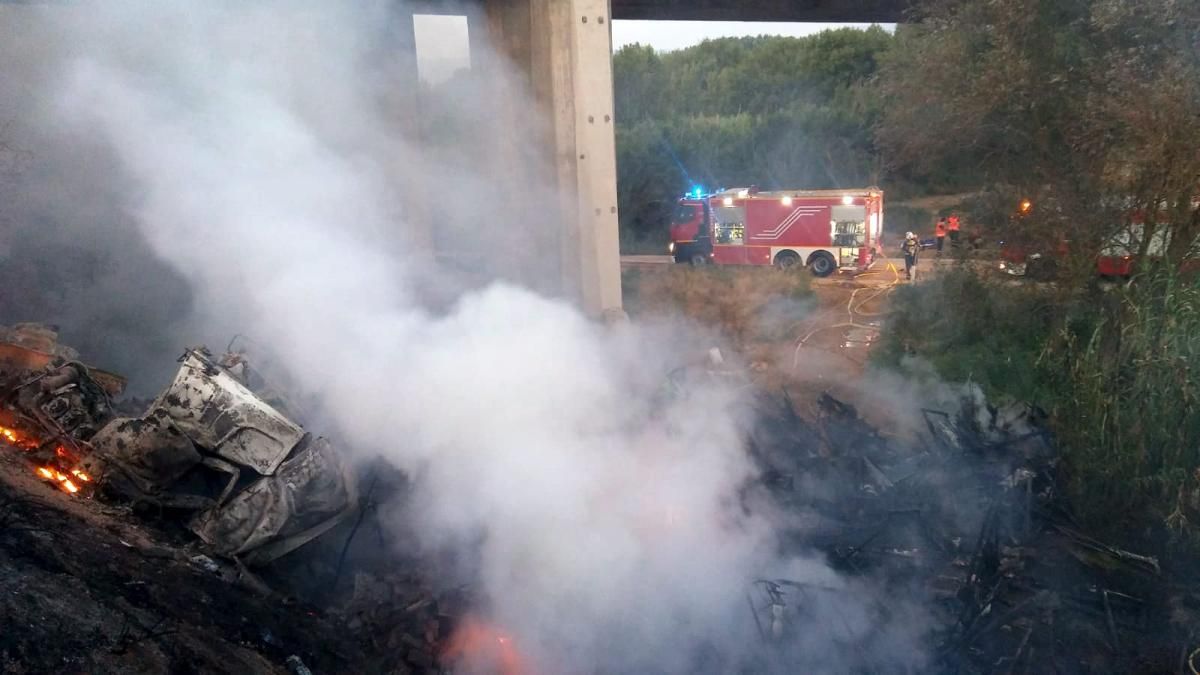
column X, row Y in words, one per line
column 775, row 232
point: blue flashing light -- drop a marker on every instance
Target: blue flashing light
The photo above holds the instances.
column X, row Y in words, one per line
column 697, row 192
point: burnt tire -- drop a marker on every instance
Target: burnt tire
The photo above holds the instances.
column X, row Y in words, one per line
column 786, row 260
column 821, row 264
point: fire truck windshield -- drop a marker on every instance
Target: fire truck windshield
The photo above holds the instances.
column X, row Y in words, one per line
column 684, row 214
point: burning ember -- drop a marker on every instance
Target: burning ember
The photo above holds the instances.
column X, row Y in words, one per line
column 68, row 482
column 17, row 439
column 61, row 479
column 480, row 647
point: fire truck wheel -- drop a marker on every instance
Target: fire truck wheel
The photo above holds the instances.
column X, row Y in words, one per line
column 698, row 260
column 822, row 264
column 787, row 260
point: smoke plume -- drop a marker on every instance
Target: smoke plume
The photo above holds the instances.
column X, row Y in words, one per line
column 247, row 170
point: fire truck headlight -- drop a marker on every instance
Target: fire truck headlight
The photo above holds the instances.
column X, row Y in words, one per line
column 728, row 201
column 671, row 247
column 847, row 200
column 787, row 200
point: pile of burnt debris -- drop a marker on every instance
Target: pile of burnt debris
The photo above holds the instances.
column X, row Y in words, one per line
column 971, row 524
column 207, row 531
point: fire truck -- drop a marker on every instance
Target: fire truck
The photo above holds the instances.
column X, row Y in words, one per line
column 825, row 230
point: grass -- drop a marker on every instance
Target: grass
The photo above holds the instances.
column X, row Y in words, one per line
column 1129, row 418
column 973, row 330
column 747, row 305
column 1111, row 366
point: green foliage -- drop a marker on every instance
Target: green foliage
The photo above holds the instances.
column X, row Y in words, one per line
column 767, row 111
column 1113, row 368
column 1129, row 413
column 973, row 330
column 1085, row 106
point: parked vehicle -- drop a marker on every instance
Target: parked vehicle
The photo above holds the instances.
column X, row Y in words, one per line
column 825, row 230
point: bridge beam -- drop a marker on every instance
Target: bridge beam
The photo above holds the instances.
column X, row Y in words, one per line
column 562, row 51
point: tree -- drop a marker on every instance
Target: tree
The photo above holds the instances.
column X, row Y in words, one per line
column 768, row 111
column 1086, row 107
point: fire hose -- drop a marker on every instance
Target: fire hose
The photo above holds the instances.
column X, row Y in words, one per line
column 854, row 310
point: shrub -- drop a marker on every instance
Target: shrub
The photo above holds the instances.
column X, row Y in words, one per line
column 973, row 330
column 1128, row 421
column 1112, row 367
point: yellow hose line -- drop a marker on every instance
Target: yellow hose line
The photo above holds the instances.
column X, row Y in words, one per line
column 853, row 311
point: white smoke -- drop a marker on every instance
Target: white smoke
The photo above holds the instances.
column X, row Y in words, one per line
column 266, row 166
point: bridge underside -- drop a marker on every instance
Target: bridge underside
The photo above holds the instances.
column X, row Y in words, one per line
column 849, row 11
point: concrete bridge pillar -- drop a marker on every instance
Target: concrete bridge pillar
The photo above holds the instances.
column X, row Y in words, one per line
column 561, row 51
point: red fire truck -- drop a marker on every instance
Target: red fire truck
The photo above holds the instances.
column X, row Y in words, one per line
column 827, row 230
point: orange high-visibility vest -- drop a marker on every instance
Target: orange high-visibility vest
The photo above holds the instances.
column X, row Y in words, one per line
column 954, row 223
column 941, row 228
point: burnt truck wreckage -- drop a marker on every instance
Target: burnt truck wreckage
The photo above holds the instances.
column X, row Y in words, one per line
column 253, row 483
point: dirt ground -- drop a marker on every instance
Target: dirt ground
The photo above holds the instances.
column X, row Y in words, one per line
column 85, row 588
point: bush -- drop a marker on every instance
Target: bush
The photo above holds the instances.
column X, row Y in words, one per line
column 1111, row 367
column 1128, row 421
column 973, row 330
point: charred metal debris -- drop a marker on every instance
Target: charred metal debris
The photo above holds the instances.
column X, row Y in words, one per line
column 971, row 524
column 249, row 480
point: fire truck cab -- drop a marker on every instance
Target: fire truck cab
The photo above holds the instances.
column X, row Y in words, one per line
column 825, row 230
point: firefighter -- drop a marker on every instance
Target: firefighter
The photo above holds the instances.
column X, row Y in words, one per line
column 940, row 232
column 910, row 247
column 954, row 225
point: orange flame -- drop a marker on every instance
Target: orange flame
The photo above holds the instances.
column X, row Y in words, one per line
column 59, row 478
column 17, row 439
column 481, row 647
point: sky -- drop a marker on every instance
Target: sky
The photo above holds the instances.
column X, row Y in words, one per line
column 671, row 35
column 442, row 45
